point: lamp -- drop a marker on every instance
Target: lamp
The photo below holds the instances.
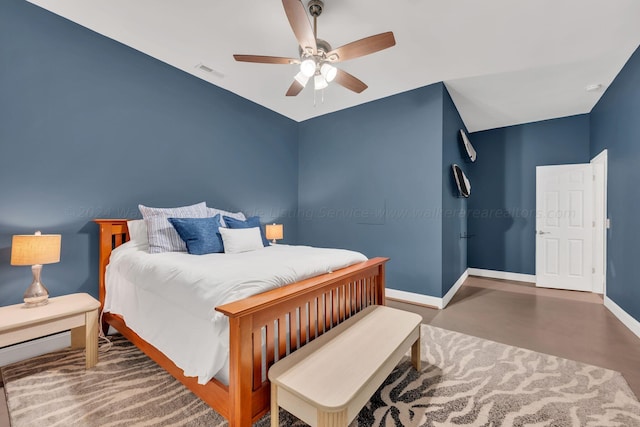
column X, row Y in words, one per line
column 308, row 66
column 319, row 82
column 328, row 71
column 274, row 232
column 301, row 78
column 35, row 250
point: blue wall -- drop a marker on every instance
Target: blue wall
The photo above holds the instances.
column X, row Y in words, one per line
column 454, row 221
column 374, row 178
column 90, row 128
column 501, row 214
column 615, row 125
column 370, row 179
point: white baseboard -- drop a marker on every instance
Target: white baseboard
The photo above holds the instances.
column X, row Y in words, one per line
column 413, row 297
column 505, row 275
column 33, row 348
column 626, row 319
column 456, row 286
column 436, row 302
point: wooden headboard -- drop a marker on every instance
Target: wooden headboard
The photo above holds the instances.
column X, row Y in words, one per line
column 113, row 233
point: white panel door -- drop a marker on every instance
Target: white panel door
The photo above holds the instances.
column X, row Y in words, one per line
column 564, row 227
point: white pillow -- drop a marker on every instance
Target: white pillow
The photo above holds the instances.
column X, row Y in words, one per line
column 238, row 240
column 214, row 212
column 162, row 236
column 138, row 232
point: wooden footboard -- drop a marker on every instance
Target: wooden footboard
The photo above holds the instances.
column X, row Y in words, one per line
column 263, row 328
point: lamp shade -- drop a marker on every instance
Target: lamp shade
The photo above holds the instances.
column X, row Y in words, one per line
column 308, row 67
column 301, row 78
column 319, row 82
column 33, row 249
column 274, row 231
column 328, row 71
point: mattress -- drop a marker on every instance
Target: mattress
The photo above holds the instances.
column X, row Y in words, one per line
column 169, row 299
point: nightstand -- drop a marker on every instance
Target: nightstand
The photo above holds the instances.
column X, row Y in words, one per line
column 75, row 312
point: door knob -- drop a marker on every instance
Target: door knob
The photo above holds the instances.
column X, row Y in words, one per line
column 544, row 232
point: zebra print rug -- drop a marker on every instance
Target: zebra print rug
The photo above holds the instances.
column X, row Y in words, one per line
column 465, row 381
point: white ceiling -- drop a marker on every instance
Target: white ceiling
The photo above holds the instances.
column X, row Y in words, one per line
column 504, row 62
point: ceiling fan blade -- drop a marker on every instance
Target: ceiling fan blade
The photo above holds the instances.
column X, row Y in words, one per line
column 350, row 82
column 266, row 59
column 363, row 47
column 295, row 88
column 300, row 25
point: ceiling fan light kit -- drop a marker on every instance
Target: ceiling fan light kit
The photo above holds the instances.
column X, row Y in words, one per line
column 316, row 55
column 301, row 78
column 319, row 82
column 328, row 71
column 308, row 67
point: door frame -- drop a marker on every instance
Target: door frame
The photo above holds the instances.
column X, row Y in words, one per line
column 600, row 204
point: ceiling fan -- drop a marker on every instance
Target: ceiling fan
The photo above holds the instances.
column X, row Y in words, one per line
column 316, row 55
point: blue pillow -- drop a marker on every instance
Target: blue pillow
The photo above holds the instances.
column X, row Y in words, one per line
column 200, row 234
column 252, row 222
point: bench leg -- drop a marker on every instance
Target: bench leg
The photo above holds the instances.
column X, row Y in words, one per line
column 91, row 338
column 86, row 337
column 415, row 354
column 275, row 409
column 332, row 419
column 78, row 337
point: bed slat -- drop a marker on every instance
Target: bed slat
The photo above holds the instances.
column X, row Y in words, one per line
column 257, row 358
column 313, row 316
column 328, row 312
column 293, row 332
column 271, row 344
column 348, row 300
column 282, row 336
column 304, row 323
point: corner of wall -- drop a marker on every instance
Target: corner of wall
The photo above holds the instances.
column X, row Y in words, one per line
column 426, row 300
column 623, row 316
column 454, row 218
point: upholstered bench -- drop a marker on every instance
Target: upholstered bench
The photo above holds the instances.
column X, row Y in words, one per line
column 328, row 381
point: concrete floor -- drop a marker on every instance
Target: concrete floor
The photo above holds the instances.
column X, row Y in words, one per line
column 569, row 324
column 573, row 325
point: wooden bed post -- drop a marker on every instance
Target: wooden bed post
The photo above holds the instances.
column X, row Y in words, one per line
column 380, row 285
column 108, row 229
column 240, row 371
column 103, row 256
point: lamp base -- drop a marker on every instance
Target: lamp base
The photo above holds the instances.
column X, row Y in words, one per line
column 36, row 302
column 36, row 294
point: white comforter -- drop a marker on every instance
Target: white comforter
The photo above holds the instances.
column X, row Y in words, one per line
column 169, row 298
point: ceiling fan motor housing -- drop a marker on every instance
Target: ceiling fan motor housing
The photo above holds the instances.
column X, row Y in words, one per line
column 323, row 47
column 315, row 7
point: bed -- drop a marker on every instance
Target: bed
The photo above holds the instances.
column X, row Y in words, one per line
column 262, row 328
